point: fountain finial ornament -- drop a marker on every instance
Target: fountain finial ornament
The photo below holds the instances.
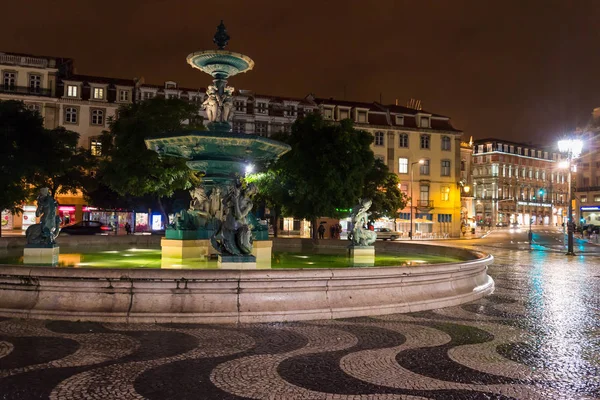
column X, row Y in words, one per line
column 221, row 37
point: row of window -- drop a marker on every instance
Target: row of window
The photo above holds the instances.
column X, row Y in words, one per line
column 9, row 80
column 71, row 116
column 98, row 93
column 403, row 167
column 425, row 141
column 509, row 172
column 506, row 148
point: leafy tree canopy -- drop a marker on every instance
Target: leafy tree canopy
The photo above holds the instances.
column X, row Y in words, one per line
column 129, row 168
column 324, row 171
column 381, row 186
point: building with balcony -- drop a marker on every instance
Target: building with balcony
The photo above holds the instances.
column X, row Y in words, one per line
column 518, row 183
column 33, row 80
column 586, row 178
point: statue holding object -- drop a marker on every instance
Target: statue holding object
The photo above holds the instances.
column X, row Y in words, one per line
column 360, row 218
column 46, row 232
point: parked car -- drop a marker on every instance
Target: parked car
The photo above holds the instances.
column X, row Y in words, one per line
column 86, row 228
column 501, row 224
column 387, row 234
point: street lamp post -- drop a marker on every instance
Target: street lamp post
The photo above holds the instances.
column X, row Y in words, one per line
column 572, row 148
column 410, row 232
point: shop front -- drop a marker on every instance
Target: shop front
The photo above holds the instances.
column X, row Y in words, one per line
column 7, row 220
column 590, row 215
column 116, row 219
column 67, row 214
column 28, row 217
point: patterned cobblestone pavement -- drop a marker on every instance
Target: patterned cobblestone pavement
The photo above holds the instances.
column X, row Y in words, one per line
column 536, row 337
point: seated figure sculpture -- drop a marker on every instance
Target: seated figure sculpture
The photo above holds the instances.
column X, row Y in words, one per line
column 360, row 217
column 46, row 232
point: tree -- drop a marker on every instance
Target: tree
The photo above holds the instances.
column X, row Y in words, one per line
column 22, row 137
column 65, row 167
column 381, row 186
column 273, row 192
column 131, row 169
column 326, row 168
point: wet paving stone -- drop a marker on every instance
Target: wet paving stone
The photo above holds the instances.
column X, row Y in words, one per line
column 536, row 337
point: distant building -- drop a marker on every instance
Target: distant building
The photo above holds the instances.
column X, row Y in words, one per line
column 518, row 183
column 586, row 179
column 402, row 136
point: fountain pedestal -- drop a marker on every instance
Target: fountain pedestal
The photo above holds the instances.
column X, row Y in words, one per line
column 362, row 256
column 236, row 262
column 262, row 250
column 40, row 254
column 182, row 249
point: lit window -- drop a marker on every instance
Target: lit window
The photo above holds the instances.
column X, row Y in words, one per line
column 445, row 167
column 403, row 165
column 10, row 80
column 72, row 91
column 584, row 199
column 97, row 117
column 98, row 93
column 446, row 143
column 124, row 95
column 425, row 139
column 261, row 128
column 403, row 140
column 35, row 107
column 378, row 138
column 261, row 108
column 239, row 126
column 96, row 147
column 35, row 83
column 445, row 193
column 596, row 198
column 71, row 115
column 424, row 170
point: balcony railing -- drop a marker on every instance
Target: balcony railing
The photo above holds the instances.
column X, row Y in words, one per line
column 424, row 203
column 25, row 90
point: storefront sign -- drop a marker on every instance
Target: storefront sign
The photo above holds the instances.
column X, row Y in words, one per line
column 156, row 222
column 529, row 203
column 7, row 220
column 28, row 216
column 590, row 208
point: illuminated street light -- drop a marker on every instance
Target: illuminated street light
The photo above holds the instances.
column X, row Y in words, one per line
column 572, row 148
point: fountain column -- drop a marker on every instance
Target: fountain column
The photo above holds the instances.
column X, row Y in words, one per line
column 221, row 156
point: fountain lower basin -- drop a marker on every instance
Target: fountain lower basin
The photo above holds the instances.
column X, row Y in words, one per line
column 240, row 296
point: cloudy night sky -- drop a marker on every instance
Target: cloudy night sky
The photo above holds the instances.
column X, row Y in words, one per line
column 520, row 70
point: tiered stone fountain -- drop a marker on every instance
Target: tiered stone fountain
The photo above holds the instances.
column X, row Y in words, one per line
column 219, row 217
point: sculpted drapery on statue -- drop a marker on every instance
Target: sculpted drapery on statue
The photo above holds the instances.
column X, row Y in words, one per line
column 360, row 217
column 234, row 236
column 219, row 102
column 48, row 229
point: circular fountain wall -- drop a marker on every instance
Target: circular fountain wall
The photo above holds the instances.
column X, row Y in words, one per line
column 230, row 296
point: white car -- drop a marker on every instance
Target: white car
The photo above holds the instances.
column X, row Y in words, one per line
column 387, row 234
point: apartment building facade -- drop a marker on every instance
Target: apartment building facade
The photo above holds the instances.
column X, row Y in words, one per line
column 518, row 183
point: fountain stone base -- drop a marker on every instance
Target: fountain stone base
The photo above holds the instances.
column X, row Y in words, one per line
column 236, row 262
column 182, row 249
column 40, row 254
column 362, row 256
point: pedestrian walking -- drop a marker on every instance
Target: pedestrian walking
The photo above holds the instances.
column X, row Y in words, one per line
column 127, row 228
column 321, row 231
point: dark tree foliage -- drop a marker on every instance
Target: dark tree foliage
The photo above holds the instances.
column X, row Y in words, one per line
column 131, row 169
column 326, row 168
column 34, row 157
column 381, row 186
column 23, row 139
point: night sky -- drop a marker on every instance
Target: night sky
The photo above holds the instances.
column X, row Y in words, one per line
column 521, row 70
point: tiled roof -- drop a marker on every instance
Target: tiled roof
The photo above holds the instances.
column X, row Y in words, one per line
column 100, row 79
column 378, row 119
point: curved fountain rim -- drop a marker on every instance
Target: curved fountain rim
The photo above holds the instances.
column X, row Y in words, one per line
column 196, row 54
column 480, row 258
